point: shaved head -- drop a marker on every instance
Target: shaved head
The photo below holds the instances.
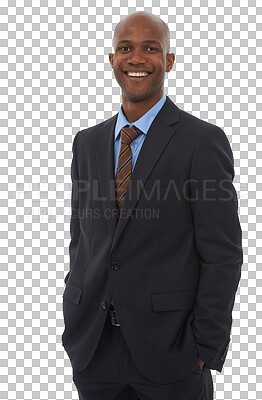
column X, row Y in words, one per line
column 138, row 17
column 142, row 46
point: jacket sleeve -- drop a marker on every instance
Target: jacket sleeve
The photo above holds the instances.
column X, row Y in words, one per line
column 74, row 221
column 218, row 240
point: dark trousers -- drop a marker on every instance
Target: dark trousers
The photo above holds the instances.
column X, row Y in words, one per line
column 113, row 375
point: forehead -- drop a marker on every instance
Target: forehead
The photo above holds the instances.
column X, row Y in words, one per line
column 133, row 42
column 139, row 30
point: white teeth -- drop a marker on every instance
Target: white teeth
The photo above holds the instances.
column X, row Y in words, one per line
column 137, row 73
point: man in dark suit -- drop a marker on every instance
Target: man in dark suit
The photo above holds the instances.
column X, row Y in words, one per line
column 155, row 251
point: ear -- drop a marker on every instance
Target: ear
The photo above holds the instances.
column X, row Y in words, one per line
column 111, row 59
column 170, row 59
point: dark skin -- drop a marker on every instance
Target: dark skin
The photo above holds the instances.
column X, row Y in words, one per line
column 138, row 96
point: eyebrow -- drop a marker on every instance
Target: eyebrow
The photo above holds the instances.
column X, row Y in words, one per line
column 144, row 41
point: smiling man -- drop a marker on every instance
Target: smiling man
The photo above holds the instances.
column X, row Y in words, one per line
column 148, row 300
column 141, row 59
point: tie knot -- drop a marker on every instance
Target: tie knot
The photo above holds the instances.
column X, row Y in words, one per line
column 129, row 134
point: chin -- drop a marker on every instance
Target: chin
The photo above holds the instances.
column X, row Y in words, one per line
column 135, row 97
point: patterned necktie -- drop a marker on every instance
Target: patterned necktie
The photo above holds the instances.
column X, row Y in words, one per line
column 124, row 168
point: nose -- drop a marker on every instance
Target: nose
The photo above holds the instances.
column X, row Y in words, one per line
column 137, row 57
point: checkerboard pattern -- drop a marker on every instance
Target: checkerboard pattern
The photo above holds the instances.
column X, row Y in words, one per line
column 55, row 80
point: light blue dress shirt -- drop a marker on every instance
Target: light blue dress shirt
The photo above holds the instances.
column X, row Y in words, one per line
column 142, row 123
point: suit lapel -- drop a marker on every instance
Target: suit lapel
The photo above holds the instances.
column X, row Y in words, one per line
column 104, row 148
column 157, row 138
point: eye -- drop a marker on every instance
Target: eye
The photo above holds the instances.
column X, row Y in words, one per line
column 126, row 47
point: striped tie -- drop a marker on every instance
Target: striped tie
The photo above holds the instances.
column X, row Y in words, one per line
column 124, row 168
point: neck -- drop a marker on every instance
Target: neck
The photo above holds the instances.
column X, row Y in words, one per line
column 134, row 110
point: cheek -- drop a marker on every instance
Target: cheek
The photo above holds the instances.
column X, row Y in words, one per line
column 118, row 61
column 118, row 69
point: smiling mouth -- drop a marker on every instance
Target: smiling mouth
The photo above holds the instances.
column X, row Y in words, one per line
column 137, row 76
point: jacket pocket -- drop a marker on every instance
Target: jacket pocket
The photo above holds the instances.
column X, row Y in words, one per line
column 72, row 293
column 173, row 300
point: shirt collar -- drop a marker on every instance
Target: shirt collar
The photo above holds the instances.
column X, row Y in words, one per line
column 142, row 123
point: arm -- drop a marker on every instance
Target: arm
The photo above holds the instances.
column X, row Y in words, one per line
column 218, row 240
column 74, row 221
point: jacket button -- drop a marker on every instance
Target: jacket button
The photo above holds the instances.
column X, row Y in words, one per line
column 115, row 265
column 103, row 305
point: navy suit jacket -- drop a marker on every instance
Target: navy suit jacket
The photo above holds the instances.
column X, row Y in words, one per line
column 171, row 263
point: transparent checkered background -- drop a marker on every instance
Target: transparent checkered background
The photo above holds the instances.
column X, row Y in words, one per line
column 56, row 79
